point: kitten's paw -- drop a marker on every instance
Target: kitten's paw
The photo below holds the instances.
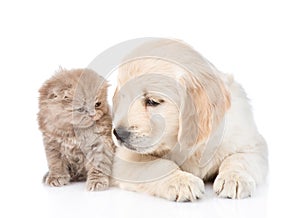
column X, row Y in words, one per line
column 234, row 184
column 183, row 187
column 98, row 184
column 56, row 180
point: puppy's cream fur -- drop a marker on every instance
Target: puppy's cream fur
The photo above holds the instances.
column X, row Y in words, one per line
column 207, row 131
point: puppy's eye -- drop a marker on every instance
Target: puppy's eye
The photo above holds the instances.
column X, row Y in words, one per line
column 98, row 104
column 80, row 109
column 150, row 102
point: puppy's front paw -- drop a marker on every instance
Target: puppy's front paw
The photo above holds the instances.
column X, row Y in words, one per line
column 98, row 184
column 234, row 184
column 183, row 187
column 56, row 180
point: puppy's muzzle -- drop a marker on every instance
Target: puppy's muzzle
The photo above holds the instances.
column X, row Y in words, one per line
column 121, row 133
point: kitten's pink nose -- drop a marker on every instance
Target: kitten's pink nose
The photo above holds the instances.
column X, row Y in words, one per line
column 92, row 114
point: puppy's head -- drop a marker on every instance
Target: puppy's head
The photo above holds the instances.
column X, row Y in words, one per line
column 159, row 105
column 146, row 107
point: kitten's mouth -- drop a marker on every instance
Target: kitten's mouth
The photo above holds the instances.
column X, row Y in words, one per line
column 86, row 124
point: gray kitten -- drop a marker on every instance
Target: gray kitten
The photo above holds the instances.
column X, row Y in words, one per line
column 76, row 125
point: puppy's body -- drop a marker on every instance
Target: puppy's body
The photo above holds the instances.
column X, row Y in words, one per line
column 208, row 128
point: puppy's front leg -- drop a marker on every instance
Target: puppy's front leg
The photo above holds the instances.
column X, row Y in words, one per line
column 239, row 173
column 154, row 176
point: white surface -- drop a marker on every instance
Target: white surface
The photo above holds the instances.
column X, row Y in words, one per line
column 257, row 41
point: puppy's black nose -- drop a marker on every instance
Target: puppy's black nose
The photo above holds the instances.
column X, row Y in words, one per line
column 121, row 133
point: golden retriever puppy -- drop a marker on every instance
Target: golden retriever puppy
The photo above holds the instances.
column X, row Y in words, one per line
column 178, row 121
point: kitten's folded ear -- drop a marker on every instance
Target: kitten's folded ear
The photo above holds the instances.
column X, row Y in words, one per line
column 47, row 92
column 67, row 96
column 55, row 90
column 52, row 96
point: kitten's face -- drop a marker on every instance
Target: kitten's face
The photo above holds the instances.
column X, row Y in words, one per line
column 73, row 99
column 89, row 104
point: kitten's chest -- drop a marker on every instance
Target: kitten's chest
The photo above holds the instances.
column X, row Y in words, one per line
column 70, row 149
column 79, row 145
column 74, row 157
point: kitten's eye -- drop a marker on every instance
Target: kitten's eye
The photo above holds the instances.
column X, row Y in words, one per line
column 150, row 102
column 98, row 104
column 80, row 109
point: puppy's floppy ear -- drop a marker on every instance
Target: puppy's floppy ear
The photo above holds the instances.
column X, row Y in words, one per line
column 203, row 106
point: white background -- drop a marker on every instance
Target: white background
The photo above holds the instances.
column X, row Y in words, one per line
column 258, row 41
